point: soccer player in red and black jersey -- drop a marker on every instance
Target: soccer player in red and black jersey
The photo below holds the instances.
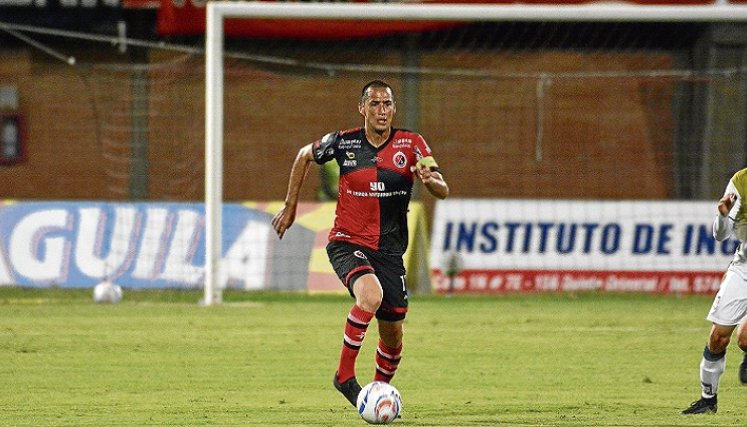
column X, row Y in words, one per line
column 378, row 165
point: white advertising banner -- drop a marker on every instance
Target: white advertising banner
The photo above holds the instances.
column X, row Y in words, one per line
column 142, row 245
column 483, row 245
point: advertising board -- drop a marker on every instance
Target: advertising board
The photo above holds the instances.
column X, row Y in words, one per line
column 557, row 245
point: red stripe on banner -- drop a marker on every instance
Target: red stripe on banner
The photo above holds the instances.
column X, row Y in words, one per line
column 505, row 281
column 188, row 18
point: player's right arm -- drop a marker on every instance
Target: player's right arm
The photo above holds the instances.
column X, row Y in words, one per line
column 282, row 221
column 723, row 225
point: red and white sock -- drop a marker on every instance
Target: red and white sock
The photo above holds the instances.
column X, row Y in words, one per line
column 355, row 331
column 387, row 361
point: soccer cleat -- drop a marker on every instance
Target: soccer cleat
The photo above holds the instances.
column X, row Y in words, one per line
column 702, row 406
column 350, row 389
column 743, row 370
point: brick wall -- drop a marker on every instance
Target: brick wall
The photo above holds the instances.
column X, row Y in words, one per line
column 601, row 138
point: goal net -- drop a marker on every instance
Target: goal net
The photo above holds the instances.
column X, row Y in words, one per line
column 593, row 102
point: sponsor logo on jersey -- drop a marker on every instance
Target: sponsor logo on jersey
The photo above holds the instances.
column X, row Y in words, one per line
column 399, row 159
column 402, row 143
column 418, row 154
column 350, row 154
column 360, row 254
column 376, row 159
column 350, row 143
column 350, row 163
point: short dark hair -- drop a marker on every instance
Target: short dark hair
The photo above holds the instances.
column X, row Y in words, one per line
column 375, row 83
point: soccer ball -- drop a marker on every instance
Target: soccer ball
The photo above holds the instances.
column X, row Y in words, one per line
column 107, row 292
column 379, row 403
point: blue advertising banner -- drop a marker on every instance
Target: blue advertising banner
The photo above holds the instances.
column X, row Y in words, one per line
column 140, row 245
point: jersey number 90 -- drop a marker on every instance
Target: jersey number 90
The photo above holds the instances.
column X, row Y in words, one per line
column 377, row 186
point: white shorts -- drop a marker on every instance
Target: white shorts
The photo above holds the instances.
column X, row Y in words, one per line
column 730, row 304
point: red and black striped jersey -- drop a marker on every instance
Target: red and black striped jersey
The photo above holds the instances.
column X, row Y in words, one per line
column 375, row 186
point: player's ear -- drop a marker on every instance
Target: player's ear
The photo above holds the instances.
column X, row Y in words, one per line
column 362, row 108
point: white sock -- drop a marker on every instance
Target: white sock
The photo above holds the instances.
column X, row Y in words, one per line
column 711, row 368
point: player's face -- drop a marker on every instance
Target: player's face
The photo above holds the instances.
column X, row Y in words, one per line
column 378, row 109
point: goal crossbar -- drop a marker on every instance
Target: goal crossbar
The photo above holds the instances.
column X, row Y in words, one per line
column 217, row 12
column 482, row 12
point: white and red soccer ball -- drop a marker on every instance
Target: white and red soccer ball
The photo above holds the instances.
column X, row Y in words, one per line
column 379, row 403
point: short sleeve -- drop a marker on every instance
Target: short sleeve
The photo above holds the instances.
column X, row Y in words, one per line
column 324, row 149
column 423, row 154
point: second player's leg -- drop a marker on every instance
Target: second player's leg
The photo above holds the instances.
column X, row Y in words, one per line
column 742, row 342
column 713, row 363
column 719, row 339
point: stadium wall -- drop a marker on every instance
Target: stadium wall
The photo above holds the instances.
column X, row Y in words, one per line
column 79, row 129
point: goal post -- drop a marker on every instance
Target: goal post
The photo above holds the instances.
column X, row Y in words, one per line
column 213, row 153
column 217, row 12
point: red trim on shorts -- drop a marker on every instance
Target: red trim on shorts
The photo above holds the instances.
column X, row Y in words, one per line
column 355, row 271
column 398, row 310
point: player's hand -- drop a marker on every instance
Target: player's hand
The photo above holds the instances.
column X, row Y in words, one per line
column 432, row 179
column 283, row 220
column 423, row 172
column 726, row 203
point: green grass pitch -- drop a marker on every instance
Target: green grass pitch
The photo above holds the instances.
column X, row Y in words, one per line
column 263, row 359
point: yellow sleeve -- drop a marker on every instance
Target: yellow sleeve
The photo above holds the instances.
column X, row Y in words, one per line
column 429, row 162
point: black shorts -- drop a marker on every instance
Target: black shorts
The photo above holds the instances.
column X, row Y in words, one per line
column 351, row 261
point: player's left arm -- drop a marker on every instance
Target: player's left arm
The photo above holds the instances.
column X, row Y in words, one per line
column 427, row 170
column 723, row 225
